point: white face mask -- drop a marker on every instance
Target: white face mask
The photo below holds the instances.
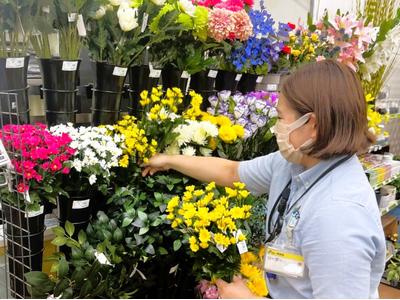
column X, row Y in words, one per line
column 283, row 131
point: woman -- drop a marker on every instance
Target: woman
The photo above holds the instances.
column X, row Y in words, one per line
column 321, row 206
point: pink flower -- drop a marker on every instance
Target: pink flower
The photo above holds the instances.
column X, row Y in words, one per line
column 243, row 25
column 320, row 58
column 65, row 170
column 28, row 165
column 22, row 188
column 211, row 293
column 55, row 165
column 220, row 24
column 46, row 165
column 232, row 5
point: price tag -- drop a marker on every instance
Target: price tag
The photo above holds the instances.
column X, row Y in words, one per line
column 14, row 105
column 187, row 85
column 241, row 245
column 46, row 9
column 272, row 87
column 118, row 71
column 70, row 65
column 72, row 17
column 238, row 77
column 212, row 73
column 144, row 22
column 173, row 269
column 185, row 74
column 79, row 204
column 102, row 258
column 31, row 214
column 80, row 25
column 154, row 73
column 221, row 248
column 4, row 158
column 260, row 79
column 15, row 62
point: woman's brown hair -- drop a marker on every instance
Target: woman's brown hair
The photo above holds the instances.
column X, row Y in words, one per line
column 333, row 92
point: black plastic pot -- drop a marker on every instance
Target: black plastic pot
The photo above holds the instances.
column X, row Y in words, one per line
column 99, row 202
column 60, row 78
column 139, row 80
column 25, row 242
column 77, row 212
column 247, row 83
column 226, row 81
column 14, row 106
column 107, row 93
column 202, row 81
column 171, row 77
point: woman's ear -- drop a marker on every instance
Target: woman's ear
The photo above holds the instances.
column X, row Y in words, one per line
column 312, row 122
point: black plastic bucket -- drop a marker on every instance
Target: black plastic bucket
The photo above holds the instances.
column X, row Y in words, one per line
column 247, row 83
column 172, row 77
column 226, row 81
column 203, row 81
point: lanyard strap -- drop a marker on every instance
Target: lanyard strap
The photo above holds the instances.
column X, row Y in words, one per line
column 283, row 199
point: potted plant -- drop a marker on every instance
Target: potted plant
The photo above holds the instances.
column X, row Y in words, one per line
column 14, row 59
column 118, row 36
column 37, row 157
column 96, row 154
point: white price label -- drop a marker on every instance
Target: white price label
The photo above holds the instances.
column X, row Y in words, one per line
column 221, row 248
column 102, row 258
column 15, row 62
column 46, row 9
column 187, row 85
column 31, row 214
column 144, row 22
column 185, row 74
column 72, row 17
column 154, row 73
column 238, row 77
column 70, row 65
column 260, row 79
column 1, row 207
column 242, row 246
column 212, row 73
column 272, row 87
column 14, row 105
column 79, row 204
column 118, row 71
column 80, row 25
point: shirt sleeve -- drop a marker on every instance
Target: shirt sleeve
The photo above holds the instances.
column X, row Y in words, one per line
column 257, row 173
column 338, row 244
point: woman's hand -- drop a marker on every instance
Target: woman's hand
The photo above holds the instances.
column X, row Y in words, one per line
column 158, row 162
column 235, row 290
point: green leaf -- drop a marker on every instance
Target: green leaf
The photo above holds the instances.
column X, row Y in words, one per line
column 162, row 251
column 63, row 268
column 82, row 237
column 69, row 228
column 127, row 221
column 36, row 278
column 170, row 187
column 143, row 230
column 59, row 241
column 142, row 216
column 150, row 250
column 72, row 243
column 68, row 293
column 59, row 231
column 48, row 189
column 177, row 245
column 60, row 287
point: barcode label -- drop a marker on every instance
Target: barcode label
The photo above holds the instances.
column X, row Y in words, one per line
column 15, row 62
column 272, row 87
column 154, row 73
column 80, row 25
column 79, row 204
column 31, row 214
column 238, row 77
column 72, row 17
column 118, row 71
column 185, row 74
column 212, row 73
column 260, row 79
column 70, row 65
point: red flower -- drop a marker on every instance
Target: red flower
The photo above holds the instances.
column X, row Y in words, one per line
column 65, row 170
column 292, row 26
column 22, row 188
column 29, row 174
column 249, row 2
column 286, row 49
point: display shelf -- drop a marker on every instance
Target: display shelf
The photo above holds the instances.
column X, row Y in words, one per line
column 379, row 145
column 387, row 181
column 390, row 207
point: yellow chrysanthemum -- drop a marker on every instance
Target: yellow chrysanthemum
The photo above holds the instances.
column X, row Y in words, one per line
column 124, row 161
column 227, row 134
column 204, row 236
column 239, row 130
column 249, row 270
column 248, row 257
column 258, row 286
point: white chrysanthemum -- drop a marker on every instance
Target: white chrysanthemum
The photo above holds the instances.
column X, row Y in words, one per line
column 205, row 151
column 210, row 128
column 92, row 179
column 189, row 151
column 172, row 149
column 127, row 17
column 200, row 136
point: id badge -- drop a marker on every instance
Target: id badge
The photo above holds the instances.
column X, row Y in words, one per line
column 283, row 261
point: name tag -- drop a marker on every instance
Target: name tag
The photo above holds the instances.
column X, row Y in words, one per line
column 284, row 261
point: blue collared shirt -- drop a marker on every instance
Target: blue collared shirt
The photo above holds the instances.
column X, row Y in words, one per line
column 339, row 232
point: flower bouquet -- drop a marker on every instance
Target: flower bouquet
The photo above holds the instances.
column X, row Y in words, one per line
column 211, row 222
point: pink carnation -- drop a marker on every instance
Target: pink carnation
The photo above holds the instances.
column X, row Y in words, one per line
column 220, row 24
column 232, row 5
column 243, row 26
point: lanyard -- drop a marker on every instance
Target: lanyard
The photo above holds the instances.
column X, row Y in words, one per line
column 282, row 201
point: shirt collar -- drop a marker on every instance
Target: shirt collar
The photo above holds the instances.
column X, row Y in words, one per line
column 304, row 178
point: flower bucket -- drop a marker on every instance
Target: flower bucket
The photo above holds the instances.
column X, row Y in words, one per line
column 25, row 242
column 172, row 77
column 203, row 81
column 226, row 81
column 60, row 79
column 107, row 93
column 13, row 80
column 99, row 201
column 140, row 78
column 247, row 83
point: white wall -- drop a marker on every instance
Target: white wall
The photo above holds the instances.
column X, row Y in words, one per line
column 288, row 10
